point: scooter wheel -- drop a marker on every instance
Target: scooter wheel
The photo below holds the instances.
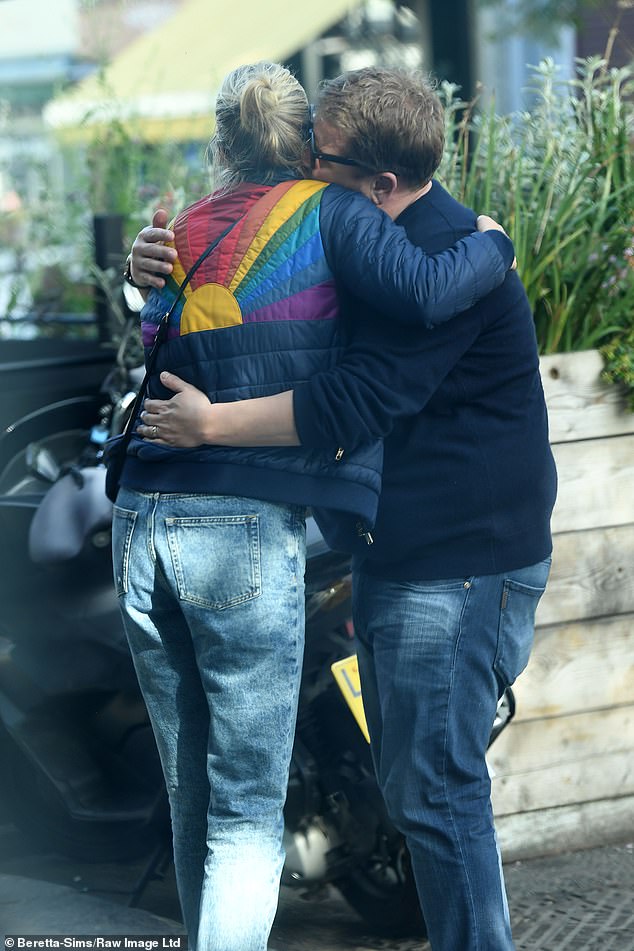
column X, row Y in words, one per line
column 382, row 891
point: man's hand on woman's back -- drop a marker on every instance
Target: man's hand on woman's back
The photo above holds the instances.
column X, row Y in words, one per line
column 150, row 257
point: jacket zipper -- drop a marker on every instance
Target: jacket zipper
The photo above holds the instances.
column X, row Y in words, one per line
column 363, row 532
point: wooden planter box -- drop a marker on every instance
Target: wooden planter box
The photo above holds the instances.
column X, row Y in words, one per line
column 564, row 769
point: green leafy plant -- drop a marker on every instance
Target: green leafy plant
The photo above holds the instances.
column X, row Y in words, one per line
column 561, row 180
column 108, row 170
column 125, row 173
column 619, row 362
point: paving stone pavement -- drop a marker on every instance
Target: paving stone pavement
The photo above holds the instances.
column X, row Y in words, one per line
column 582, row 901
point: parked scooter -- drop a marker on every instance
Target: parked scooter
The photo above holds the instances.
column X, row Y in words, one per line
column 81, row 770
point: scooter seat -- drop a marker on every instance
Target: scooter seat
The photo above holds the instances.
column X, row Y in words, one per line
column 72, row 510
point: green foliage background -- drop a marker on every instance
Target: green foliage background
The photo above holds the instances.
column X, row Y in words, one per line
column 561, row 180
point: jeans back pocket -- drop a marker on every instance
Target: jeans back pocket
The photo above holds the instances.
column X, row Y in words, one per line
column 216, row 559
column 516, row 629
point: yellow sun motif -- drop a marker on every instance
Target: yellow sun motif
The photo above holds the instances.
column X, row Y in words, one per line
column 208, row 308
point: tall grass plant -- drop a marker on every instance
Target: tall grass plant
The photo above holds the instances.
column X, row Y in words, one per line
column 561, row 179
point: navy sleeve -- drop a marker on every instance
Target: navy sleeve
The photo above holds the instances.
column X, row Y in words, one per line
column 391, row 371
column 373, row 258
column 384, row 374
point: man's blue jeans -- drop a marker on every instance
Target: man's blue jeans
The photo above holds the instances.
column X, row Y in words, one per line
column 434, row 657
column 212, row 594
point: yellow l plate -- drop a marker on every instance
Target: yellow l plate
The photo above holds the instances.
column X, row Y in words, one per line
column 346, row 674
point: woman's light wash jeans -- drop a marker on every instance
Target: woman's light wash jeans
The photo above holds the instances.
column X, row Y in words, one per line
column 212, row 594
column 434, row 656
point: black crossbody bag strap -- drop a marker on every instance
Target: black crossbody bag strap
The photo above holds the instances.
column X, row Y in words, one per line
column 161, row 335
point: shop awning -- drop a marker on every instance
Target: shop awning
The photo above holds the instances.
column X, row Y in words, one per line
column 165, row 82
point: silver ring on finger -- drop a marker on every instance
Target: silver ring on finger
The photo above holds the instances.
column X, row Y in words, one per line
column 154, row 431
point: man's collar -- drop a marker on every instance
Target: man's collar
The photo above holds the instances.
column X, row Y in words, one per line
column 416, row 195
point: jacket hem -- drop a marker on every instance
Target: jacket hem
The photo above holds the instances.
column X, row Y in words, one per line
column 266, row 484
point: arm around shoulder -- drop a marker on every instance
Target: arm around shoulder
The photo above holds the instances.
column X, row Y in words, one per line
column 374, row 258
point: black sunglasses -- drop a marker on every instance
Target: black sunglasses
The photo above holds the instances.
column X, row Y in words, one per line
column 325, row 156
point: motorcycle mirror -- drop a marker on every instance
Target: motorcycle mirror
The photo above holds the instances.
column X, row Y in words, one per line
column 42, row 463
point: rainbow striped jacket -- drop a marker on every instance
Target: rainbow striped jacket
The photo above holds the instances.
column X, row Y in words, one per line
column 260, row 316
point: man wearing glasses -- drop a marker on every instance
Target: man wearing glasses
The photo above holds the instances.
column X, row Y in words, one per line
column 317, row 157
column 445, row 597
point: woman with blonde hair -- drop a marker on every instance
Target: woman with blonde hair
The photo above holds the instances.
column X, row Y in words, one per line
column 208, row 542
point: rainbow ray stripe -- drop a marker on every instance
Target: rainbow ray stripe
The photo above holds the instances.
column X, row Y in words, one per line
column 271, row 266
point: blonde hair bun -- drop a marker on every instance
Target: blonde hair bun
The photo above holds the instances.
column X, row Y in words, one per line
column 261, row 113
column 258, row 104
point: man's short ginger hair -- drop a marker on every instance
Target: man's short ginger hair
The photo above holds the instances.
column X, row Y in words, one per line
column 390, row 119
